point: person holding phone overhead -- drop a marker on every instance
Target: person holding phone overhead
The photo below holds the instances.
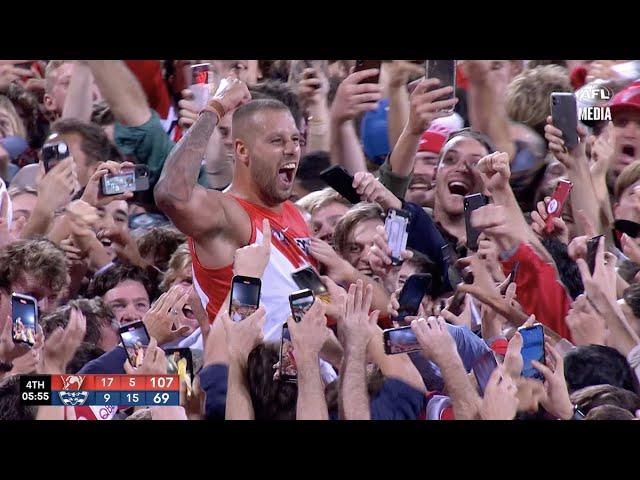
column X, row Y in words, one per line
column 255, row 207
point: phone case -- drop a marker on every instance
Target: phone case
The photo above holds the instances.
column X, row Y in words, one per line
column 366, row 65
column 565, row 116
column 408, row 301
column 396, row 225
column 445, row 71
column 340, row 180
column 592, row 250
column 471, row 203
column 556, row 205
column 243, row 310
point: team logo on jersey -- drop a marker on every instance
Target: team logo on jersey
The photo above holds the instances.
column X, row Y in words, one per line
column 304, row 245
column 280, row 236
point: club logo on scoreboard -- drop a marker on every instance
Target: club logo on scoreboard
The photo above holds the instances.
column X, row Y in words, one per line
column 72, row 396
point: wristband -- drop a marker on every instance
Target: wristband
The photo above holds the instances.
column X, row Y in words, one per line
column 216, row 107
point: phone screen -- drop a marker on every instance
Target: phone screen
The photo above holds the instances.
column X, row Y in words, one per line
column 180, row 362
column 400, row 340
column 445, row 71
column 245, row 299
column 483, row 368
column 412, row 293
column 24, row 317
column 116, row 184
column 299, row 306
column 532, row 349
column 395, row 226
column 135, row 340
column 288, row 368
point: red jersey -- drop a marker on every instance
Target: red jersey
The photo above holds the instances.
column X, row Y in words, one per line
column 289, row 251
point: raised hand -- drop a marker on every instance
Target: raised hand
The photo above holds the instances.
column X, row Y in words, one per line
column 309, row 336
column 251, row 260
column 93, row 193
column 353, row 98
column 539, row 225
column 435, row 339
column 62, row 344
column 425, row 106
column 495, row 171
column 242, row 337
column 557, row 401
column 357, row 325
column 587, row 326
column 371, row 190
column 230, row 95
column 500, row 400
column 154, row 362
column 165, row 314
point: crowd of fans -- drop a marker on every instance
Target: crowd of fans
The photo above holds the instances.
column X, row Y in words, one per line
column 235, row 190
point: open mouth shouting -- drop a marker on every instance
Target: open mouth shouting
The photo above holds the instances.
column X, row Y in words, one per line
column 459, row 186
column 286, row 173
column 627, row 153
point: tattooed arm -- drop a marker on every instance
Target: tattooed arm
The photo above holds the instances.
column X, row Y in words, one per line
column 177, row 193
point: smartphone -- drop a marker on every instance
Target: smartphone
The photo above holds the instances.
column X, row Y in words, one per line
column 24, row 317
column 136, row 180
column 471, row 203
column 300, row 302
column 450, row 258
column 396, row 225
column 532, row 349
column 200, row 83
column 556, row 204
column 307, row 278
column 514, row 272
column 135, row 339
column 180, row 362
column 483, row 367
column 400, row 340
column 296, row 71
column 565, row 116
column 411, row 295
column 445, row 71
column 288, row 368
column 245, row 297
column 342, row 182
column 366, row 65
column 620, row 227
column 592, row 250
column 53, row 152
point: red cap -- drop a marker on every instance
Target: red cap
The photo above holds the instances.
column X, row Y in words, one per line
column 431, row 141
column 629, row 98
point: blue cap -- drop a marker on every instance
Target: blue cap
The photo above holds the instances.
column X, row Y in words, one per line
column 374, row 135
column 15, row 146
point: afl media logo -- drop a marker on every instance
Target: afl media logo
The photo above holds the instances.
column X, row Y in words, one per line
column 595, row 96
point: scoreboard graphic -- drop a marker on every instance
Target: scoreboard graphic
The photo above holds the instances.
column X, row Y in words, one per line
column 100, row 390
